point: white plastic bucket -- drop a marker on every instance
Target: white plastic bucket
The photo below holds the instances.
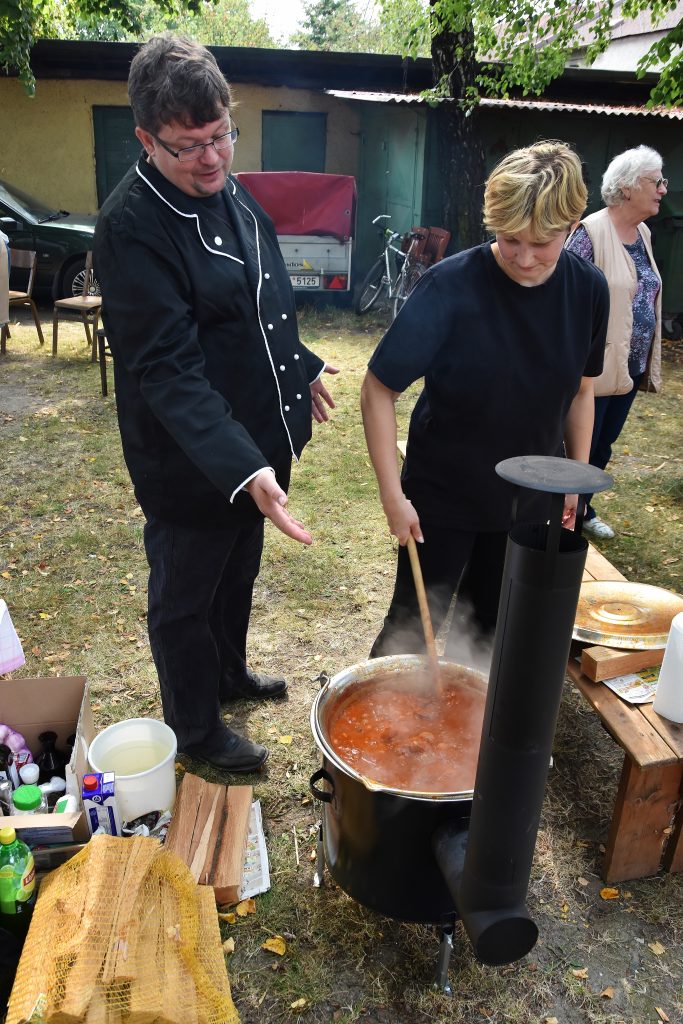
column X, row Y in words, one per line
column 141, row 752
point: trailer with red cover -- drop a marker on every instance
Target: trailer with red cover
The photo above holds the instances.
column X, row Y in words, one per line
column 314, row 216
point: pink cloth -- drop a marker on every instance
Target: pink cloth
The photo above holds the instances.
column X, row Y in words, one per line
column 11, row 652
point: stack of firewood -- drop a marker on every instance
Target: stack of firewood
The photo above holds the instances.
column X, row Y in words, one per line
column 122, row 934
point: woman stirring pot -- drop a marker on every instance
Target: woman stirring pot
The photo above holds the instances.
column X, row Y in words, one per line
column 618, row 242
column 508, row 337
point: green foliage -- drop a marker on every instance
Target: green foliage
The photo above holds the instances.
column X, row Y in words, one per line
column 220, row 23
column 396, row 26
column 525, row 44
column 216, row 23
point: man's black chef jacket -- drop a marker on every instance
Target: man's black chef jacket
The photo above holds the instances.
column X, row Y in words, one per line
column 212, row 381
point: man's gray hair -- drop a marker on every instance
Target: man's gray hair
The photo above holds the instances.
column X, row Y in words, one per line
column 625, row 170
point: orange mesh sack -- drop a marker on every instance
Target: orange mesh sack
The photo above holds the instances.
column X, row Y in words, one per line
column 122, row 934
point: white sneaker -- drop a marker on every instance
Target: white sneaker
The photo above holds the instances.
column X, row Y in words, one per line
column 596, row 528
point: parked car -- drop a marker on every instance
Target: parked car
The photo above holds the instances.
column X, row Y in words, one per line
column 61, row 240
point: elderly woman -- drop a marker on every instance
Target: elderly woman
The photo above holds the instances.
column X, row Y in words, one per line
column 508, row 337
column 616, row 240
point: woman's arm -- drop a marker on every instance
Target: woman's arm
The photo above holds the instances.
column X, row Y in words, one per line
column 578, row 430
column 379, row 421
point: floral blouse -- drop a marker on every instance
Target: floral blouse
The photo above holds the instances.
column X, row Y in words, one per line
column 644, row 317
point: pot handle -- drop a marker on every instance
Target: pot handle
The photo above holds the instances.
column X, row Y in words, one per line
column 320, row 794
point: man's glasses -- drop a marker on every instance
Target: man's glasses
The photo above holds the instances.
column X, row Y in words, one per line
column 658, row 182
column 186, row 156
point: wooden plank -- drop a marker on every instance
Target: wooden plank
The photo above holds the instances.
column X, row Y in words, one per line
column 643, row 815
column 673, row 853
column 206, row 848
column 671, row 732
column 181, row 830
column 606, row 662
column 625, row 722
column 203, row 812
column 599, row 568
column 229, row 862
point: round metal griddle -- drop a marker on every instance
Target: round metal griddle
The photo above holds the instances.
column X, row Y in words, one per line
column 635, row 616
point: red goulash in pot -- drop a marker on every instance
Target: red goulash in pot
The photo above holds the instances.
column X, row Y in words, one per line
column 394, row 729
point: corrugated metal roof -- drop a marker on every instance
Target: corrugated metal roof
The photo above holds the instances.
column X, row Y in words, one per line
column 673, row 113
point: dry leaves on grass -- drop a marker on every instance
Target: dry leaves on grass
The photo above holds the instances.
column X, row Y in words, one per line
column 276, row 944
column 580, row 972
column 608, row 892
column 657, row 948
column 245, row 907
column 229, row 945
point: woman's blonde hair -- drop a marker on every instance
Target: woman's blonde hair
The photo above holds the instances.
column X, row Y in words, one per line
column 539, row 187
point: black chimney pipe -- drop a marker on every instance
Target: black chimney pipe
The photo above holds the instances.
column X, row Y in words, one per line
column 487, row 870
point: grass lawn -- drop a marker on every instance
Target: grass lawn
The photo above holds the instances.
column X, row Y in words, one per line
column 73, row 573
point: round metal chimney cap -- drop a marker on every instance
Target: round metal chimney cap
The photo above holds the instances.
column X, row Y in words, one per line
column 553, row 475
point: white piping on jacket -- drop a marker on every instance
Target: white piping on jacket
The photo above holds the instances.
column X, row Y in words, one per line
column 258, row 313
column 192, row 216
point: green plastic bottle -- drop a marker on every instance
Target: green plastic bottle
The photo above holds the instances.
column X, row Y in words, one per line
column 17, row 883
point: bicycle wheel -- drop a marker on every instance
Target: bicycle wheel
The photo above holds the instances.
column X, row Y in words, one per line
column 371, row 288
column 409, row 278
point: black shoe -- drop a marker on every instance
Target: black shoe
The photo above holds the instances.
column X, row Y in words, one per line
column 254, row 687
column 237, row 754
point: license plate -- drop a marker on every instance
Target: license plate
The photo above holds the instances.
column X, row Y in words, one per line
column 305, row 280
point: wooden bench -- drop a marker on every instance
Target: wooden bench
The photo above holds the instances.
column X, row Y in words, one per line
column 646, row 833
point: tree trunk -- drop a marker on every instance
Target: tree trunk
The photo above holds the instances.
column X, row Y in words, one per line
column 461, row 152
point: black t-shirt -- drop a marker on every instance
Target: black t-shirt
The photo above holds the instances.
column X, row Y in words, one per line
column 501, row 365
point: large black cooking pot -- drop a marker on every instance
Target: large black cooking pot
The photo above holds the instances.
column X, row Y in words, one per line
column 378, row 840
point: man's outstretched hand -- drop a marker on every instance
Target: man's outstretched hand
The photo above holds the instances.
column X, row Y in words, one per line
column 320, row 395
column 272, row 501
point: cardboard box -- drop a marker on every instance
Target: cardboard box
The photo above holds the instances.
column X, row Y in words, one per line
column 61, row 704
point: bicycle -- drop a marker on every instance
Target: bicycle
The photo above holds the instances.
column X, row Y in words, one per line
column 396, row 277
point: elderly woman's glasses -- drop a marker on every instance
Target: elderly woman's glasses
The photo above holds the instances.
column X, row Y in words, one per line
column 186, row 156
column 658, row 182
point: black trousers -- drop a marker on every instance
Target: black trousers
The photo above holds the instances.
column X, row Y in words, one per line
column 611, row 413
column 201, row 583
column 451, row 560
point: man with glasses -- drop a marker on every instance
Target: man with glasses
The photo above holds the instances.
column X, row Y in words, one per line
column 215, row 392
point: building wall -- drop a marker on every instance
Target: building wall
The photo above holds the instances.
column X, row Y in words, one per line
column 48, row 144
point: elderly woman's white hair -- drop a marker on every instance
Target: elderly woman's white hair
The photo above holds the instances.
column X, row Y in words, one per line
column 626, row 169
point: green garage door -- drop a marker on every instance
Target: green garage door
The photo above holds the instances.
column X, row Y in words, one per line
column 116, row 147
column 293, row 141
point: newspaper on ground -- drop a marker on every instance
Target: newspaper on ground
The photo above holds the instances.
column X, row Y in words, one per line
column 636, row 687
column 256, row 874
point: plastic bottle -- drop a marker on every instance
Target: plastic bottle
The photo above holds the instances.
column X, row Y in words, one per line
column 67, row 804
column 5, row 796
column 50, row 760
column 7, row 767
column 29, row 774
column 17, row 883
column 29, row 800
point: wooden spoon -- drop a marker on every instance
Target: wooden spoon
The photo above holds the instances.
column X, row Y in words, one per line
column 432, row 656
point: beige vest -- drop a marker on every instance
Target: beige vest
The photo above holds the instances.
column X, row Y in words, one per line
column 612, row 258
column 4, row 284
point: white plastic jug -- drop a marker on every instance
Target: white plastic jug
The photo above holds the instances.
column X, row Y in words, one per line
column 141, row 752
column 669, row 694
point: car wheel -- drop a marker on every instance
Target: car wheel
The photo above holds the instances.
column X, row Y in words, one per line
column 72, row 280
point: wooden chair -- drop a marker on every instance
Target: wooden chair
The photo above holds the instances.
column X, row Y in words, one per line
column 103, row 351
column 435, row 246
column 86, row 305
column 25, row 259
column 4, row 298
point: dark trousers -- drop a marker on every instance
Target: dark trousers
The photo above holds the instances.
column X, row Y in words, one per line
column 451, row 560
column 200, row 592
column 611, row 413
